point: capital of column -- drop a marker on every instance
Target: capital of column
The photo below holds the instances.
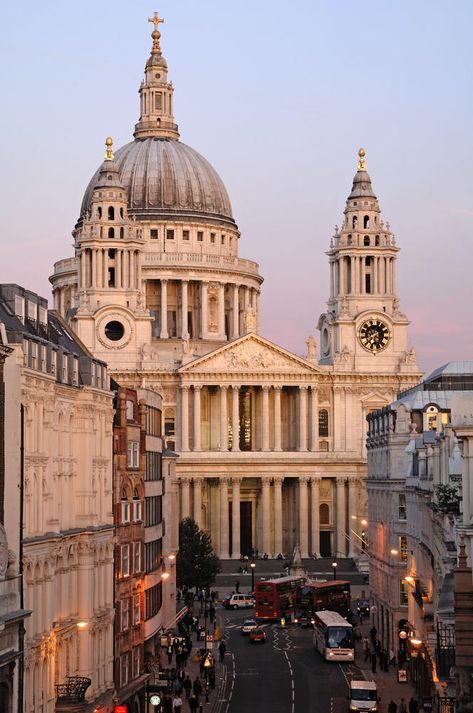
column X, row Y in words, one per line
column 265, row 387
column 304, row 479
column 224, row 479
column 277, row 387
column 236, row 479
column 197, row 387
column 303, row 387
column 266, row 479
column 340, row 480
column 223, row 387
column 278, row 479
column 315, row 479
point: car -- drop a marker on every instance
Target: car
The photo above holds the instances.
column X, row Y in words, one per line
column 238, row 601
column 363, row 607
column 248, row 626
column 257, row 636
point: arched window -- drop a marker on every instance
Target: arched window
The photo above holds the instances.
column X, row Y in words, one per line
column 349, row 239
column 99, row 212
column 324, row 514
column 111, row 213
column 366, row 240
column 323, row 422
column 121, row 212
column 376, row 240
column 354, row 222
column 122, row 233
column 111, row 233
column 169, row 427
column 366, row 222
column 430, row 418
column 136, row 506
column 125, row 508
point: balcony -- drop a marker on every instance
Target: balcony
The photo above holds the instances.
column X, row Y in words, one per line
column 70, row 695
column 200, row 260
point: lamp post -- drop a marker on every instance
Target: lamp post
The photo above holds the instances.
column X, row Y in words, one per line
column 253, row 565
column 334, row 567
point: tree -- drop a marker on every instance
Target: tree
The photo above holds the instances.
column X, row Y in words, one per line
column 197, row 564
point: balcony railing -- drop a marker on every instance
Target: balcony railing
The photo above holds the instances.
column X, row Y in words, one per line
column 202, row 259
column 73, row 691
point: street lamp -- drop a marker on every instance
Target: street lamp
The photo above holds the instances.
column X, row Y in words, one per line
column 252, row 565
column 334, row 567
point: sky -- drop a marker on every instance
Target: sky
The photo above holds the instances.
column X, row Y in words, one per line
column 278, row 96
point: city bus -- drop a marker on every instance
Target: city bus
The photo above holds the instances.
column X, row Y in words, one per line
column 316, row 596
column 333, row 636
column 275, row 598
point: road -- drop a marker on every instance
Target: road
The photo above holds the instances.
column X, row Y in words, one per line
column 283, row 675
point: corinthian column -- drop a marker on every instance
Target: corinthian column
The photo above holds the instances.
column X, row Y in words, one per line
column 184, row 418
column 235, row 418
column 198, row 502
column 352, row 509
column 164, row 310
column 265, row 440
column 314, row 421
column 204, row 306
column 185, row 498
column 278, row 544
column 266, row 484
column 303, row 517
column 315, row 510
column 221, row 310
column 197, row 440
column 184, row 308
column 236, row 518
column 302, row 418
column 235, row 313
column 341, row 523
column 223, row 482
column 277, row 420
column 223, row 419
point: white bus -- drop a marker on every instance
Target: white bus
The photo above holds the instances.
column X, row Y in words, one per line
column 333, row 636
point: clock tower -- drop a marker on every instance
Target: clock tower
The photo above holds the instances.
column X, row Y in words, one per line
column 363, row 328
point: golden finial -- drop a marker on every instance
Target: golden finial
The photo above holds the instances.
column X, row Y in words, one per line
column 361, row 162
column 109, row 150
column 156, row 20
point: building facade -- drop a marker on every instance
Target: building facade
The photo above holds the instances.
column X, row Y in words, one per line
column 67, row 542
column 271, row 445
column 419, row 497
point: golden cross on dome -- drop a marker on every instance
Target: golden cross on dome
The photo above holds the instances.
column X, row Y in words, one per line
column 361, row 162
column 156, row 20
column 109, row 150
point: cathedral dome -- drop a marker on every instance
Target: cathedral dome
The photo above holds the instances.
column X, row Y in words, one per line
column 166, row 179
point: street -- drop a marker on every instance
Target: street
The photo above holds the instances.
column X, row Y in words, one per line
column 283, row 675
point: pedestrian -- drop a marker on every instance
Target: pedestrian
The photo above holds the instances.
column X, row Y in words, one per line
column 360, row 616
column 392, row 658
column 169, row 652
column 221, row 650
column 181, row 677
column 177, row 703
column 193, row 703
column 373, row 632
column 211, row 613
column 392, row 708
column 237, row 587
column 197, row 687
column 413, row 706
column 187, row 686
column 373, row 663
column 211, row 675
column 402, row 706
column 366, row 647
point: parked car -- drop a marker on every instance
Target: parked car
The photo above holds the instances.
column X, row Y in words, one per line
column 248, row 626
column 257, row 636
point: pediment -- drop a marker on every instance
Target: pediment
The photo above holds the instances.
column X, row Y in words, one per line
column 250, row 354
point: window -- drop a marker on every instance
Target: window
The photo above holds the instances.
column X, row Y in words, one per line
column 212, row 237
column 153, row 421
column 136, row 557
column 125, row 560
column 64, row 368
column 323, row 422
column 200, row 236
column 366, row 241
column 403, row 593
column 154, row 234
column 135, row 659
column 154, row 600
column 222, row 240
column 43, row 365
column 133, row 454
column 136, row 609
column 153, row 510
column 53, row 361
column 125, row 509
column 34, row 355
column 376, row 241
column 111, row 213
column 111, row 233
column 111, row 253
column 153, row 466
column 185, row 235
column 123, row 670
column 121, row 209
column 158, row 100
column 354, row 222
column 125, row 614
column 75, row 371
column 403, row 548
column 137, row 514
column 169, row 234
column 430, row 418
column 366, row 222
column 324, row 514
column 402, row 506
column 153, row 555
column 99, row 213
column 129, row 410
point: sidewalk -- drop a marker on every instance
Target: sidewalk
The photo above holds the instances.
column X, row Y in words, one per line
column 388, row 686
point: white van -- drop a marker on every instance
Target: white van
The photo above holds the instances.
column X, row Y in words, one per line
column 239, row 601
column 363, row 696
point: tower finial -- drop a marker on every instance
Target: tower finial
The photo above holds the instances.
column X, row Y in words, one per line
column 156, row 20
column 109, row 150
column 361, row 162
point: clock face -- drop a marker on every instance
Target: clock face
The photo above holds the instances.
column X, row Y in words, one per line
column 155, row 700
column 374, row 335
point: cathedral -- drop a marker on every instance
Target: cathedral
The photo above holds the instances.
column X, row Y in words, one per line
column 271, row 445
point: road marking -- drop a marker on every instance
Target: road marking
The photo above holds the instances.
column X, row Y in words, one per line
column 292, row 682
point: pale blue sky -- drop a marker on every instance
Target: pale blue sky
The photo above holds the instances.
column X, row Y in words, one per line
column 279, row 97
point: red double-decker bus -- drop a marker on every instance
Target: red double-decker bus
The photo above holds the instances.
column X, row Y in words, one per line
column 312, row 597
column 275, row 598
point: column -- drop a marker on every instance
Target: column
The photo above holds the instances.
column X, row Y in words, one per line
column 93, row 280
column 315, row 510
column 236, row 313
column 303, row 517
column 223, row 482
column 184, row 418
column 393, row 276
column 132, row 269
column 341, row 264
column 336, row 418
column 198, row 501
column 221, row 310
column 164, row 310
column 184, row 310
column 375, row 275
column 118, row 269
column 278, row 543
column 341, row 523
column 302, row 446
column 105, row 267
column 235, row 418
column 236, row 518
column 197, row 439
column 82, row 270
column 277, row 421
column 223, row 419
column 204, row 306
column 126, row 269
column 265, row 439
column 185, row 498
column 352, row 509
column 314, row 419
column 266, row 494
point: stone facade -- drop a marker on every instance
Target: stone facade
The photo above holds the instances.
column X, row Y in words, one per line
column 271, row 445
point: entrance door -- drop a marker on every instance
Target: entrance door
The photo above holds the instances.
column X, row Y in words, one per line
column 246, row 520
column 325, row 548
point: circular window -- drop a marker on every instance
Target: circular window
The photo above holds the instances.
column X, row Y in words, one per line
column 114, row 330
column 158, row 76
